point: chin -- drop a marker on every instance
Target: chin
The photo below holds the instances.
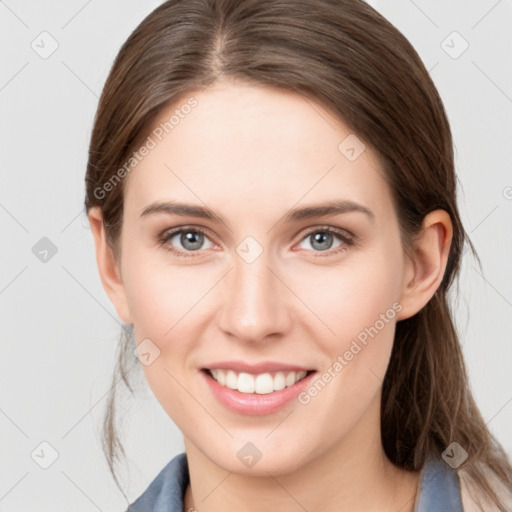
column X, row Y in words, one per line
column 259, row 459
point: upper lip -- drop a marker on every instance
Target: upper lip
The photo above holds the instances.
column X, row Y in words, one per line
column 256, row 368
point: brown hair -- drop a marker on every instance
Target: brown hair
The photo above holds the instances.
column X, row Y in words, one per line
column 348, row 58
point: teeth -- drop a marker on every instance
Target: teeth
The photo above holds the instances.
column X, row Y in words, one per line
column 231, row 379
column 221, row 377
column 279, row 381
column 245, row 383
column 262, row 384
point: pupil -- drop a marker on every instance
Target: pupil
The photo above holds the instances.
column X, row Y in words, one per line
column 191, row 240
column 321, row 238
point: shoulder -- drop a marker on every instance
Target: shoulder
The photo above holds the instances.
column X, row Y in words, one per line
column 165, row 492
column 475, row 500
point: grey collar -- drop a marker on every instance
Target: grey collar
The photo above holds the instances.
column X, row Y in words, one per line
column 439, row 488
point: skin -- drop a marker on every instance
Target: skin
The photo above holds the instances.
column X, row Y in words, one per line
column 251, row 153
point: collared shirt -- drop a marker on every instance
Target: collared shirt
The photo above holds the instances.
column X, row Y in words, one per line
column 439, row 489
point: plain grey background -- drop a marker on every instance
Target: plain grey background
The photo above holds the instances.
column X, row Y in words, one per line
column 59, row 330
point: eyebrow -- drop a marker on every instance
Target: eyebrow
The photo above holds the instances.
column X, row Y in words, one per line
column 294, row 215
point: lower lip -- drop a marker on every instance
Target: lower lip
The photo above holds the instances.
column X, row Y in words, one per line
column 254, row 403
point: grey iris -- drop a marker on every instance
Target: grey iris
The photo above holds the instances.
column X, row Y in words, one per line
column 320, row 239
column 191, row 240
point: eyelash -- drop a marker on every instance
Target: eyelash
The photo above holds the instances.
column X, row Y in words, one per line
column 347, row 239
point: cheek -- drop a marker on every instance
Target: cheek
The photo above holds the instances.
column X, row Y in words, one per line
column 169, row 307
column 162, row 297
column 164, row 302
column 352, row 296
column 359, row 302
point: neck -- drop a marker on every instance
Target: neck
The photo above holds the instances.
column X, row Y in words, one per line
column 355, row 475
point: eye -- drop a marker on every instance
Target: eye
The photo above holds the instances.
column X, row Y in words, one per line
column 322, row 239
column 186, row 240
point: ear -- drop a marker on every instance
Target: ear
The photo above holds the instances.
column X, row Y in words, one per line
column 424, row 271
column 108, row 267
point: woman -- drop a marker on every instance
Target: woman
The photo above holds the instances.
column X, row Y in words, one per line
column 272, row 195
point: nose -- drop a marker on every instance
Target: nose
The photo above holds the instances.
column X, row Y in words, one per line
column 256, row 304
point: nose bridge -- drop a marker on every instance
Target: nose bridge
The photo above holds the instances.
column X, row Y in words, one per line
column 254, row 302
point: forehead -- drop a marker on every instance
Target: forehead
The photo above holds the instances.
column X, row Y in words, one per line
column 253, row 146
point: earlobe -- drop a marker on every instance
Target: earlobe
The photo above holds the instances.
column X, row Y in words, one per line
column 108, row 266
column 425, row 269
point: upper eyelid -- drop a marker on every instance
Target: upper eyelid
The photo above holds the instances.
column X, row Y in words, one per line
column 344, row 235
column 167, row 233
column 331, row 229
column 341, row 232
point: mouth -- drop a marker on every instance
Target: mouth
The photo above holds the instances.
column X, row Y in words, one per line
column 256, row 393
column 262, row 383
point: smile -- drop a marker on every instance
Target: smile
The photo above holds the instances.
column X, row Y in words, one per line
column 262, row 383
column 256, row 393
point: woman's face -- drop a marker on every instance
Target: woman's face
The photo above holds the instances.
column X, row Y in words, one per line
column 259, row 283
